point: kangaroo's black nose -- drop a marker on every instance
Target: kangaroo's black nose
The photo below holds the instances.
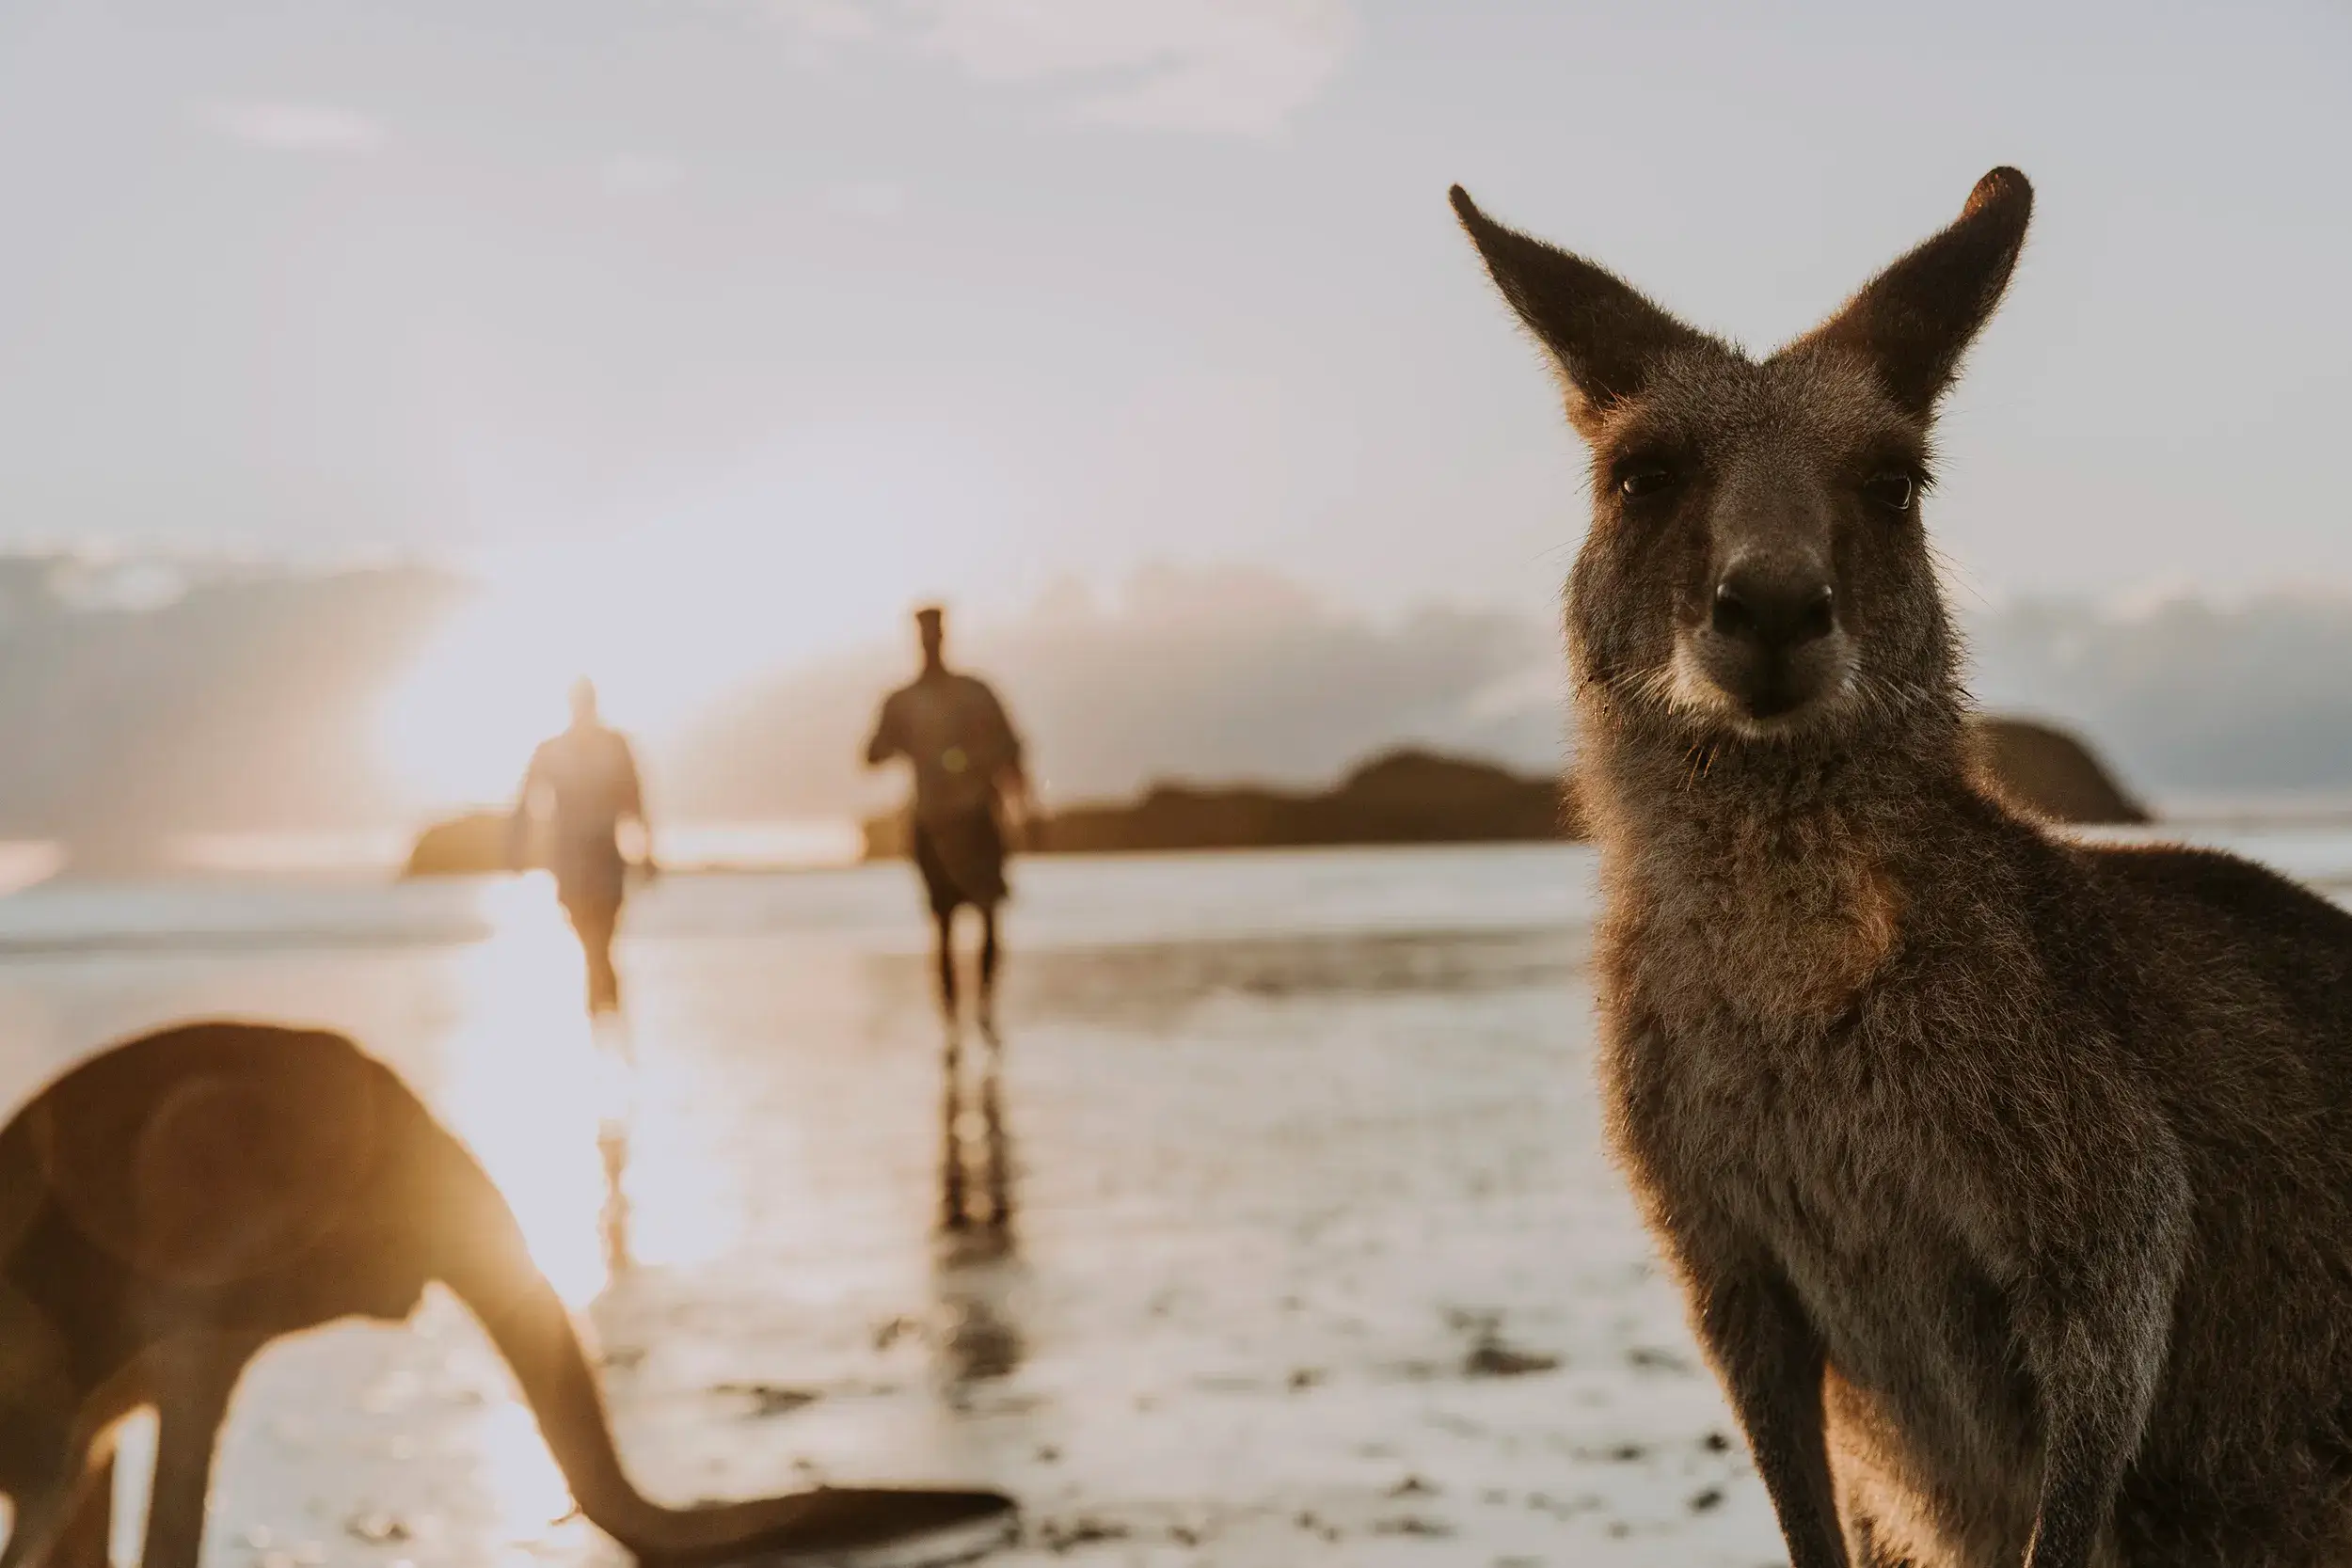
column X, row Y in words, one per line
column 1776, row 615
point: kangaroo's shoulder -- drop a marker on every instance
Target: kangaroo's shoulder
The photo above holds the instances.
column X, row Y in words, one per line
column 2230, row 885
column 2193, row 895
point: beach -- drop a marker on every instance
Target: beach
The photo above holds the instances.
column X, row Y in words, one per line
column 1314, row 1256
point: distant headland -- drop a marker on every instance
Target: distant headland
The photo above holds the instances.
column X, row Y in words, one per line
column 1415, row 796
column 1406, row 796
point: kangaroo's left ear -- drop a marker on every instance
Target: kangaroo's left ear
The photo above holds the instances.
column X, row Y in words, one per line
column 1915, row 320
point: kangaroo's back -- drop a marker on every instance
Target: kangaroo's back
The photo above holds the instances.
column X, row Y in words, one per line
column 211, row 1162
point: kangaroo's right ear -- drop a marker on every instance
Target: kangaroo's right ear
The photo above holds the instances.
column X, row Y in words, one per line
column 1913, row 321
column 1604, row 336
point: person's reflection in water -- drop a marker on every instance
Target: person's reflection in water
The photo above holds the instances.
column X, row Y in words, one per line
column 987, row 1146
column 612, row 1223
column 978, row 1259
column 615, row 1064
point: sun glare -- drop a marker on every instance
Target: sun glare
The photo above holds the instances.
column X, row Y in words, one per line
column 818, row 539
column 664, row 631
column 461, row 725
column 526, row 1087
column 532, row 1087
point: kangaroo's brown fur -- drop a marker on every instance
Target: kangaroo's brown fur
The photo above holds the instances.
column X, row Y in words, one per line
column 2009, row 1179
column 174, row 1204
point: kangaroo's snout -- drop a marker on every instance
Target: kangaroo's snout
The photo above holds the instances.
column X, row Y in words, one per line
column 1770, row 641
column 1774, row 614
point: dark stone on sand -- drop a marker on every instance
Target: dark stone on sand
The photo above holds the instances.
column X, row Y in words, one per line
column 1412, row 1524
column 1493, row 1358
column 768, row 1398
column 1060, row 1536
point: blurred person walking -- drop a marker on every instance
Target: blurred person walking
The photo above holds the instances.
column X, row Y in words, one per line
column 583, row 783
column 968, row 775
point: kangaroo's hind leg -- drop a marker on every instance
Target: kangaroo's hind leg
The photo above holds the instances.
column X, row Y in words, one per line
column 40, row 1512
column 86, row 1536
column 55, row 1475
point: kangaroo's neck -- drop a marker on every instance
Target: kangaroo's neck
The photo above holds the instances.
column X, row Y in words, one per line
column 1763, row 883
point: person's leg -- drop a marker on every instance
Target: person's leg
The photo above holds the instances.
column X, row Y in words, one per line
column 988, row 967
column 88, row 1539
column 597, row 921
column 939, row 886
column 945, row 918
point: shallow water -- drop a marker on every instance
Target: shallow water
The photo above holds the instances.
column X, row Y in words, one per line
column 1314, row 1256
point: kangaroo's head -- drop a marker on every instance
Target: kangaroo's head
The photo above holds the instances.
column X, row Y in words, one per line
column 1755, row 571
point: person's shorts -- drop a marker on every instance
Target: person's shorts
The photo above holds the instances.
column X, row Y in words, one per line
column 590, row 884
column 963, row 860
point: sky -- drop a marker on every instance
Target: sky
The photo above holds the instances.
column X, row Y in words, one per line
column 760, row 319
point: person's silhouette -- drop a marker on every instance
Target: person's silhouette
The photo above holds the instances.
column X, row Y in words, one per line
column 967, row 765
column 585, row 782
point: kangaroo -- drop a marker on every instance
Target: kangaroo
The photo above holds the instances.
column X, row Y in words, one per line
column 175, row 1203
column 2007, row 1179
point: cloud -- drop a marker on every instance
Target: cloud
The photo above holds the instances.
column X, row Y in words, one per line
column 2187, row 696
column 640, row 173
column 1230, row 67
column 292, row 127
column 877, row 200
column 1193, row 673
column 828, row 21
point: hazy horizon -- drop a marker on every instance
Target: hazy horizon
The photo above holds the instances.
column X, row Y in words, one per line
column 276, row 704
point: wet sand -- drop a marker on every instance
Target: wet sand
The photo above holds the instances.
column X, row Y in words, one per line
column 1312, row 1257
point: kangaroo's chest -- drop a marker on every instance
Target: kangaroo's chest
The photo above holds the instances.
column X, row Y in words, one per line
column 1823, row 1153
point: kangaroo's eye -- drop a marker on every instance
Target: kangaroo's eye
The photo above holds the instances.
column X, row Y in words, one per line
column 1644, row 479
column 1891, row 490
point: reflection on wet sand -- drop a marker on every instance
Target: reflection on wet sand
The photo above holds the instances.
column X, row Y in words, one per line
column 612, row 1223
column 616, row 1112
column 1260, row 1185
column 523, row 1090
column 977, row 1261
column 599, row 1145
column 974, row 1115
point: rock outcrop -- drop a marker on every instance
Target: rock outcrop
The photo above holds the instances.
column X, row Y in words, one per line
column 1402, row 796
column 2050, row 773
column 1413, row 797
column 473, row 845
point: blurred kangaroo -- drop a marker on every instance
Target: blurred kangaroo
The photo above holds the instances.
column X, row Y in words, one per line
column 174, row 1204
column 2008, row 1178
